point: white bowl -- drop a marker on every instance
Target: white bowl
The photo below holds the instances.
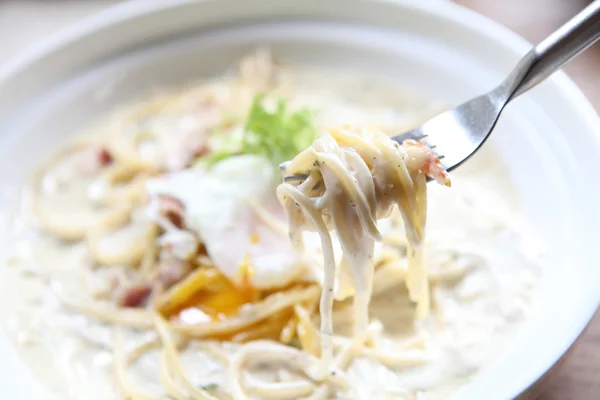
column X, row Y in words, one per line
column 547, row 140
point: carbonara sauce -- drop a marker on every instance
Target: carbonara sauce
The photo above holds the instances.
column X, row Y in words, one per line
column 481, row 274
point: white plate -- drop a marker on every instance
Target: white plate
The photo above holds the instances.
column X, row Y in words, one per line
column 548, row 139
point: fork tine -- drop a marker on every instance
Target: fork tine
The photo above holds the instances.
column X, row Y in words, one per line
column 415, row 134
column 295, row 178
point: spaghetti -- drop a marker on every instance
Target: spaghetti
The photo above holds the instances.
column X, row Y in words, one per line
column 166, row 230
column 354, row 178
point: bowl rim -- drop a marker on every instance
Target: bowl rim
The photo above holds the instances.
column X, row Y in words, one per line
column 457, row 14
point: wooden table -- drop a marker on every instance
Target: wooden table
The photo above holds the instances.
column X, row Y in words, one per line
column 579, row 376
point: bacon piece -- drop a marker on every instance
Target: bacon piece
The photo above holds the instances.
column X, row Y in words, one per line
column 104, row 157
column 135, row 296
column 427, row 161
column 172, row 209
column 200, row 151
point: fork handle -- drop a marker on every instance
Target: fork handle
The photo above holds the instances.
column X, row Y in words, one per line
column 557, row 49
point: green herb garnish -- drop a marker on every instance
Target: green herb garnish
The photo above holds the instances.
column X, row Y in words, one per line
column 275, row 133
column 279, row 134
column 209, row 387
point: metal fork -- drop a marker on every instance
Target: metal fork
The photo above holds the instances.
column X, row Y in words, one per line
column 456, row 134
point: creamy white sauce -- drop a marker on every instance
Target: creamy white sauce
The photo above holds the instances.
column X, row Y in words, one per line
column 470, row 228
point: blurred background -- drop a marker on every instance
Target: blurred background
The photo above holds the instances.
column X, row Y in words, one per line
column 24, row 22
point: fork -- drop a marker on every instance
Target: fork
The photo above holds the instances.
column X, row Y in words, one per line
column 456, row 134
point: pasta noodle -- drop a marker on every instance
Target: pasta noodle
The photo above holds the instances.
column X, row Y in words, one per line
column 252, row 314
column 308, row 364
column 355, row 177
column 171, row 357
column 169, row 230
column 120, row 368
